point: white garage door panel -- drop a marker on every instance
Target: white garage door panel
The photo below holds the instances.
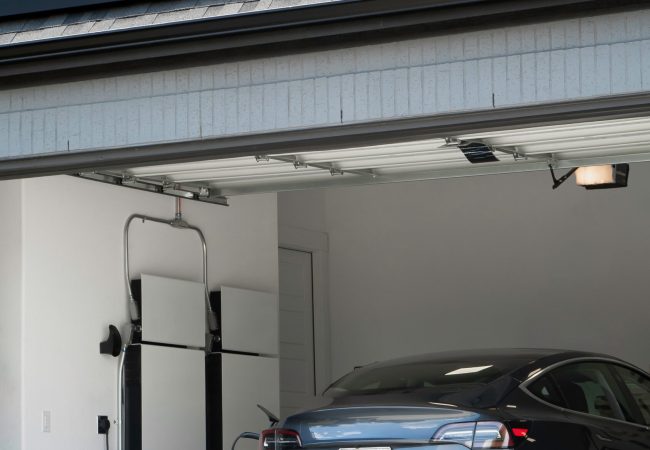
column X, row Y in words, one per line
column 173, row 311
column 569, row 145
column 173, row 398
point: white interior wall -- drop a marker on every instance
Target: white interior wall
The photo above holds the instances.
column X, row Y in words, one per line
column 10, row 313
column 74, row 288
column 495, row 261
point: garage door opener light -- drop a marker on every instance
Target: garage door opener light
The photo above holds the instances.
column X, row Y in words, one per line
column 603, row 177
column 606, row 176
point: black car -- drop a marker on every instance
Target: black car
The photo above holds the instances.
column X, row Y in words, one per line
column 504, row 399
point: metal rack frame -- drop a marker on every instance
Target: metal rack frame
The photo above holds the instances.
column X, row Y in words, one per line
column 211, row 320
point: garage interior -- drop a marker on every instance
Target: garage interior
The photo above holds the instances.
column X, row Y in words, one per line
column 356, row 209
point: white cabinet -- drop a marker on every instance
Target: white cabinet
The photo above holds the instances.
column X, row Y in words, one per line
column 241, row 382
column 179, row 397
column 249, row 320
column 173, row 398
column 173, row 311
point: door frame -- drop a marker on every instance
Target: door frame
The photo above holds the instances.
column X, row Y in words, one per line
column 316, row 243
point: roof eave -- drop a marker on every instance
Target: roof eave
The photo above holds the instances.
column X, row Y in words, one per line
column 331, row 24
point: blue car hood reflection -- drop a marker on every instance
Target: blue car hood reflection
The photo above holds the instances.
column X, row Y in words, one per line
column 374, row 423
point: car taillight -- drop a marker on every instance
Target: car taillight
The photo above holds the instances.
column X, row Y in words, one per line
column 520, row 432
column 476, row 435
column 278, row 438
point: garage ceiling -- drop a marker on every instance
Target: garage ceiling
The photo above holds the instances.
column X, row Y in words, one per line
column 517, row 150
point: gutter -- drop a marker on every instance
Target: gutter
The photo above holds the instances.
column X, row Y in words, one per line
column 290, row 30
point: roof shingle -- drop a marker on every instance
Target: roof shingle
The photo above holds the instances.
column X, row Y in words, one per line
column 135, row 15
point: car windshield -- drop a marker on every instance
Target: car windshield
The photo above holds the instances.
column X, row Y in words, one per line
column 447, row 376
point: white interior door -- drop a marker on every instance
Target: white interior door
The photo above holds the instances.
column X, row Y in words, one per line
column 297, row 377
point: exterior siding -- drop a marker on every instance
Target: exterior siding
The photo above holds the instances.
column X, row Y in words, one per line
column 564, row 60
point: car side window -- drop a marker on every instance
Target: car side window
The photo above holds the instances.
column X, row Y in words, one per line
column 588, row 388
column 545, row 389
column 638, row 385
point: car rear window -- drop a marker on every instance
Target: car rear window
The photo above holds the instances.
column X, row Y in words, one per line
column 421, row 375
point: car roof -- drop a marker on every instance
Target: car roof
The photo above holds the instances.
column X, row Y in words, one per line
column 512, row 366
column 520, row 357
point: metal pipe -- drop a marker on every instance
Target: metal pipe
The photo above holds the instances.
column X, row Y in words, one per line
column 120, row 392
column 133, row 307
column 211, row 316
column 135, row 315
column 120, row 398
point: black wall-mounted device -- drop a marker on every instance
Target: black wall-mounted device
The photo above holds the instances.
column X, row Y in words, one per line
column 103, row 424
column 113, row 343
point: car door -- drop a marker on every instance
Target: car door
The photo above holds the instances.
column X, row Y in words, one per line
column 552, row 430
column 633, row 393
column 589, row 390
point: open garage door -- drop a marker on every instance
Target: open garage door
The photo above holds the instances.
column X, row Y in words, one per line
column 563, row 146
